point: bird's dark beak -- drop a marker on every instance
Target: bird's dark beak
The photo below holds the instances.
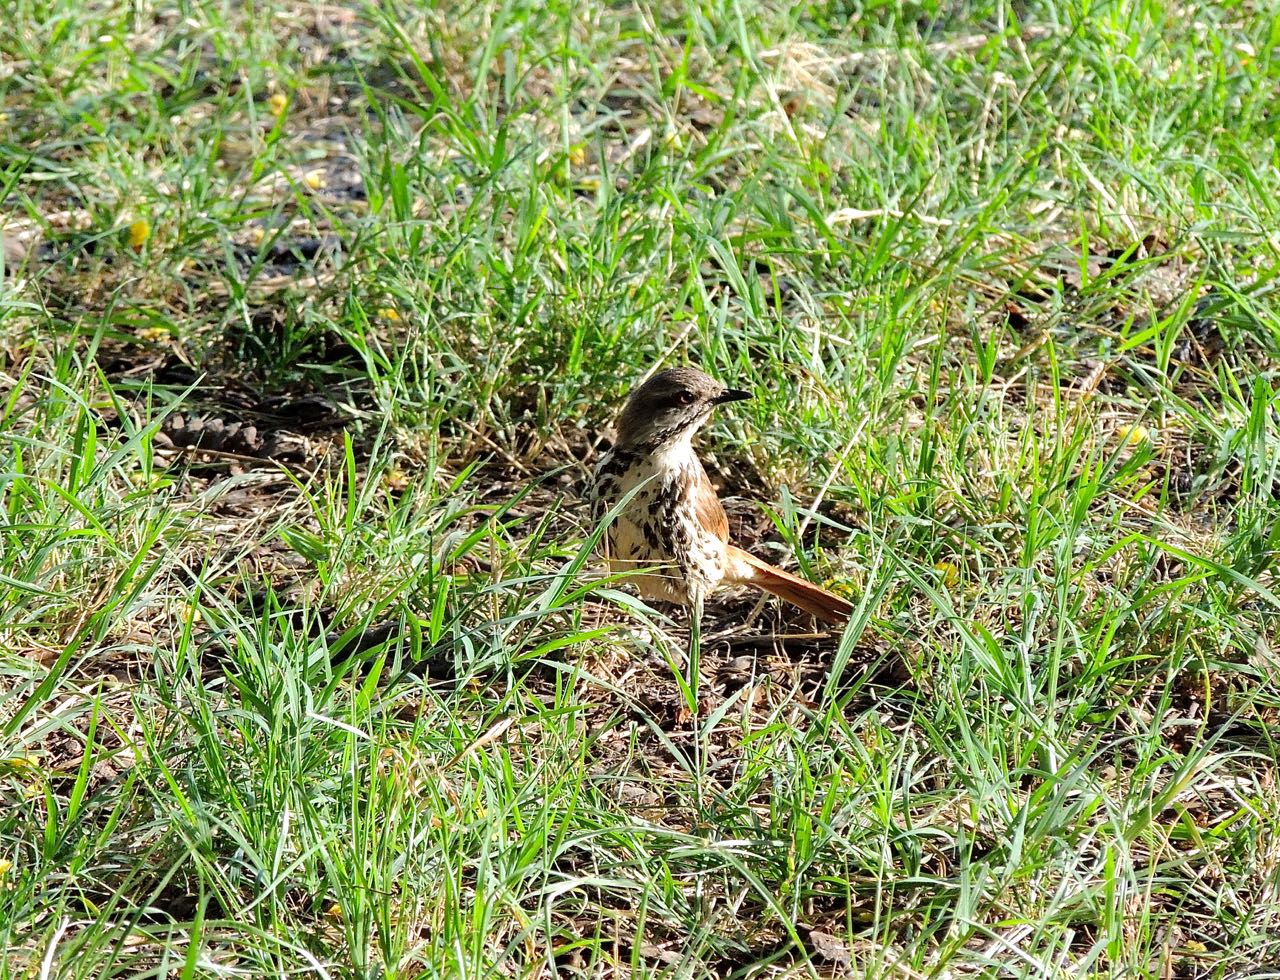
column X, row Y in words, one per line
column 731, row 395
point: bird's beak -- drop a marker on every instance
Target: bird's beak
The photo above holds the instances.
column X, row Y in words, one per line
column 731, row 395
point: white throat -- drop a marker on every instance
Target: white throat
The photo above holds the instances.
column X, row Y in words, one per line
column 676, row 454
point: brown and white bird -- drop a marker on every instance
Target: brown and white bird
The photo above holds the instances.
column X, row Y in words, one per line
column 674, row 526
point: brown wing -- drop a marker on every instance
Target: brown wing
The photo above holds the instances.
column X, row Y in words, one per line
column 707, row 507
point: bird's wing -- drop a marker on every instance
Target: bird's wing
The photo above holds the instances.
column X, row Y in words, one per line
column 707, row 507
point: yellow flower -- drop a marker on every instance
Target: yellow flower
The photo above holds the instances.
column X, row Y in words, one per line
column 1133, row 435
column 314, row 179
column 20, row 765
column 577, row 155
column 388, row 313
column 278, row 102
column 950, row 574
column 395, row 479
column 139, row 232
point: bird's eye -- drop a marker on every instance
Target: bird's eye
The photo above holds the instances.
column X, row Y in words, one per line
column 684, row 398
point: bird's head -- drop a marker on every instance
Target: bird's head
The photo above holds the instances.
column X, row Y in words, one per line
column 671, row 406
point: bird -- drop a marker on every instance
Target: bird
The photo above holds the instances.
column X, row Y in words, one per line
column 672, row 530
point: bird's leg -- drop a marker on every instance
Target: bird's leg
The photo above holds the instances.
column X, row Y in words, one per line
column 695, row 649
column 693, row 694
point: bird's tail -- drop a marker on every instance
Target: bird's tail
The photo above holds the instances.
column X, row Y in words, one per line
column 746, row 569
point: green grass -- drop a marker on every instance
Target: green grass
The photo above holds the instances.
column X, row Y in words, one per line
column 350, row 696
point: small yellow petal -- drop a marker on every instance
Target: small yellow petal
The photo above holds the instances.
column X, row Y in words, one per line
column 577, row 155
column 278, row 102
column 950, row 574
column 5, row 865
column 20, row 765
column 387, row 313
column 314, row 179
column 1133, row 435
column 139, row 232
column 395, row 479
column 843, row 587
column 334, row 912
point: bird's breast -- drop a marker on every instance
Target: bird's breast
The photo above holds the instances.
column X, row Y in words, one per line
column 658, row 525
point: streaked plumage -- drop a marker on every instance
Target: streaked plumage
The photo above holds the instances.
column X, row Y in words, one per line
column 674, row 526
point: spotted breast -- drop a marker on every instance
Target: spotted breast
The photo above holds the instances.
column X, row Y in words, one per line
column 665, row 528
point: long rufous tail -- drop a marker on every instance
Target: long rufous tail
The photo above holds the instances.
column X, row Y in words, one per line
column 744, row 568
